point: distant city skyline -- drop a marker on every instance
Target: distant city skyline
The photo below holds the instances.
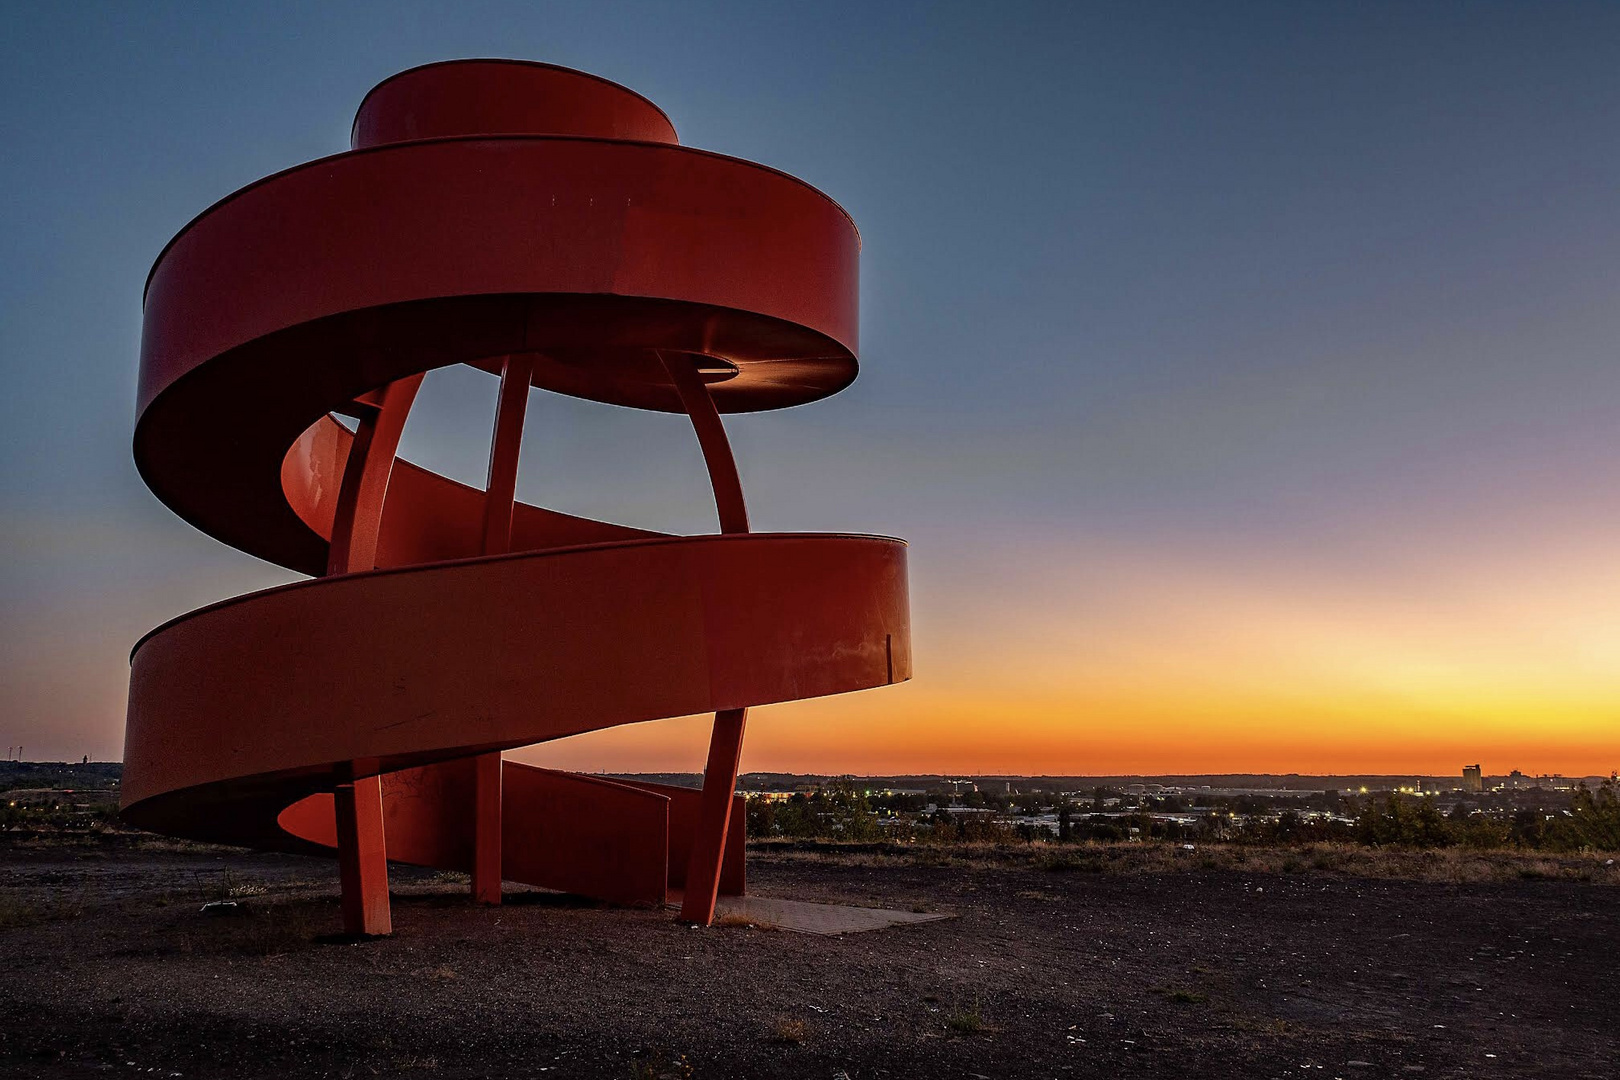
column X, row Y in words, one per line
column 1242, row 377
column 1513, row 779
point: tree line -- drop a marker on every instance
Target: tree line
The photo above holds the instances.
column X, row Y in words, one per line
column 841, row 811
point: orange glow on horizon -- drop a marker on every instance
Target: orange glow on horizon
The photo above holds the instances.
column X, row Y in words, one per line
column 1135, row 660
column 1157, row 662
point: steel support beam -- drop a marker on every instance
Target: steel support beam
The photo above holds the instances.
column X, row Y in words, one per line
column 725, row 742
column 357, row 802
column 500, row 494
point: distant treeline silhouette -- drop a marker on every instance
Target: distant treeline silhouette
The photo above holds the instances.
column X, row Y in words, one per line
column 840, row 811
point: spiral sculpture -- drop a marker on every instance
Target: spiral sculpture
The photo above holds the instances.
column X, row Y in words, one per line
column 545, row 226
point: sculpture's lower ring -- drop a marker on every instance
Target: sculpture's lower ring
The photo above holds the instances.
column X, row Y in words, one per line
column 260, row 701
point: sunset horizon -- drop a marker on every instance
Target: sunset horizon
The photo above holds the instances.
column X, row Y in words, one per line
column 1239, row 413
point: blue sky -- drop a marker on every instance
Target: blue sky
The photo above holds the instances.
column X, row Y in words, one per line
column 1308, row 307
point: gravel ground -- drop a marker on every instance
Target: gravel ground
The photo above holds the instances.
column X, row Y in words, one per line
column 109, row 968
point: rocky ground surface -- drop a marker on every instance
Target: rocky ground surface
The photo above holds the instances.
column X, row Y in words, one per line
column 109, row 967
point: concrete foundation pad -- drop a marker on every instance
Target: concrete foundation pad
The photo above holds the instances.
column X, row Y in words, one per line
column 803, row 917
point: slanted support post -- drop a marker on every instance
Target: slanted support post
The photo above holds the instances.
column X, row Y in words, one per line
column 362, row 857
column 725, row 742
column 487, row 824
column 357, row 524
column 500, row 496
column 714, row 817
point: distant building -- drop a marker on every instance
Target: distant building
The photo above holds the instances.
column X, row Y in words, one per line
column 1473, row 779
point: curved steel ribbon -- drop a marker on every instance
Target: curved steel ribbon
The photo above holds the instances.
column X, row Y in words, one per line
column 546, row 226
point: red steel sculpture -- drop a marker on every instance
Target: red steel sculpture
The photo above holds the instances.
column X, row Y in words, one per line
column 545, row 226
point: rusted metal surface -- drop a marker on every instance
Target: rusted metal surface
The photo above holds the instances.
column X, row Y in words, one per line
column 545, row 226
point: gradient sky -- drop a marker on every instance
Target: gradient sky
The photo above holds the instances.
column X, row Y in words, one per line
column 1243, row 375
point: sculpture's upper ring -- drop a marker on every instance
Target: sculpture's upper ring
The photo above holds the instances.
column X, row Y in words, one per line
column 596, row 244
column 293, row 296
column 504, row 97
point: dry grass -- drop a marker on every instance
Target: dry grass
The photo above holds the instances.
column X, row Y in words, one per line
column 15, row 913
column 268, row 930
column 1453, row 865
column 967, row 1022
column 660, row 1065
column 411, row 1062
column 743, row 922
column 227, row 886
column 111, row 837
column 790, row 1032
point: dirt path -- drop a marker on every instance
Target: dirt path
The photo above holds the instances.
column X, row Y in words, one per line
column 107, row 968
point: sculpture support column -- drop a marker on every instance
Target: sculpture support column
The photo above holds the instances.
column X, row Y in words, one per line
column 358, row 519
column 357, row 801
column 725, row 742
column 486, row 871
column 714, row 818
column 500, row 492
column 362, row 857
column 711, row 436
